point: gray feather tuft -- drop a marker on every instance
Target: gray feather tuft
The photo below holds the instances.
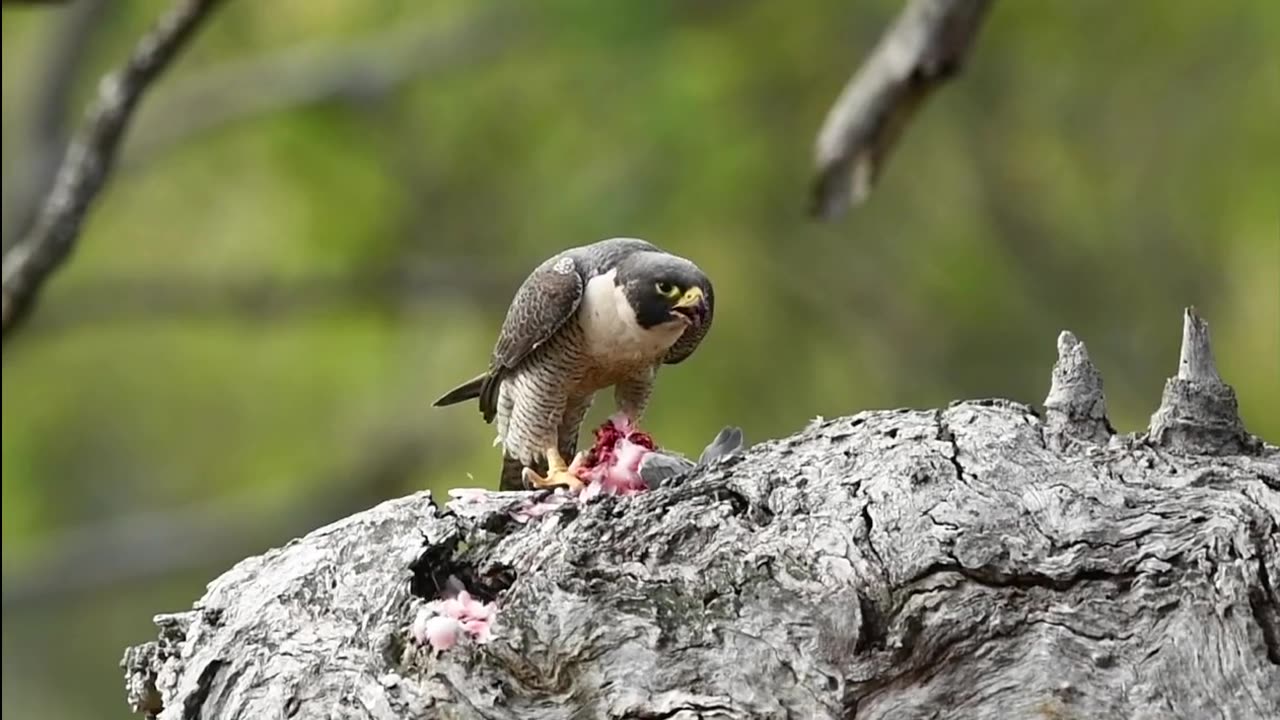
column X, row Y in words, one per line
column 726, row 443
column 658, row 467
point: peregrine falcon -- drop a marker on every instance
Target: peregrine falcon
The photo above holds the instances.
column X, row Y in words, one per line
column 600, row 315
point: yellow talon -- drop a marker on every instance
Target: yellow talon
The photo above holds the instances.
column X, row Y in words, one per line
column 558, row 473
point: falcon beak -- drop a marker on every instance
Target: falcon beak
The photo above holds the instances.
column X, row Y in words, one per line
column 692, row 305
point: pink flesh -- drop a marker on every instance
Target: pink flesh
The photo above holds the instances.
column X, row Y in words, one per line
column 614, row 465
column 442, row 632
column 448, row 619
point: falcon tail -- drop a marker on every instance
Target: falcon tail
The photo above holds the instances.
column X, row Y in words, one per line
column 513, row 474
column 468, row 390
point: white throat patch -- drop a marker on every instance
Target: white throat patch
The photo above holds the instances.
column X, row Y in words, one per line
column 613, row 336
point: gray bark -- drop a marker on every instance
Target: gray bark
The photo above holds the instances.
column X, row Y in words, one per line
column 971, row 562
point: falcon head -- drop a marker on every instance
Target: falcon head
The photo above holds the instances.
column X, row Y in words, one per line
column 663, row 288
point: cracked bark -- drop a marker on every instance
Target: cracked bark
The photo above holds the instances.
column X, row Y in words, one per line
column 972, row 562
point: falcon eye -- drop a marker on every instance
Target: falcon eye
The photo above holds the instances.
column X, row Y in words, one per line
column 667, row 289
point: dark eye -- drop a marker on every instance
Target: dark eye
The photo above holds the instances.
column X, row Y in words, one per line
column 666, row 289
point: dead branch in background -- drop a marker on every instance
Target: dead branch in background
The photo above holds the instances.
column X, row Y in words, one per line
column 89, row 160
column 924, row 48
column 46, row 132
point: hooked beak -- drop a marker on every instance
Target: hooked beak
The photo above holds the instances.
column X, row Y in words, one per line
column 692, row 305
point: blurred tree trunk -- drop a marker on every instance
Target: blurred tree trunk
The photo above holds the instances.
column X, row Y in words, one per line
column 974, row 562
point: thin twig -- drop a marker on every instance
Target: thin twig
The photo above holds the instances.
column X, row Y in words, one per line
column 924, row 48
column 88, row 162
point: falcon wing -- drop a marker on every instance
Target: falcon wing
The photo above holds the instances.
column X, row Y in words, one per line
column 546, row 300
column 693, row 335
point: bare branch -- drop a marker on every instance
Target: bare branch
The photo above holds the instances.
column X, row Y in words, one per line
column 46, row 132
column 924, row 48
column 88, row 162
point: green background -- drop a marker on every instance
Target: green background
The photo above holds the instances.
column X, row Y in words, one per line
column 322, row 210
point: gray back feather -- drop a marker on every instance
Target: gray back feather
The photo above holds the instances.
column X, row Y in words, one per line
column 546, row 300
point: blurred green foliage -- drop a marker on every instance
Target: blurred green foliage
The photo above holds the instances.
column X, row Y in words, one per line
column 289, row 265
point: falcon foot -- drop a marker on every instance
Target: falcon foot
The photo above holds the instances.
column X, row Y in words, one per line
column 558, row 473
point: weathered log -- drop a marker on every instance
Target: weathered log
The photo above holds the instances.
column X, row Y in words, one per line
column 972, row 562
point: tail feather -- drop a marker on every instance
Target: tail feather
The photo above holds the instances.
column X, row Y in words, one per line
column 468, row 390
column 513, row 473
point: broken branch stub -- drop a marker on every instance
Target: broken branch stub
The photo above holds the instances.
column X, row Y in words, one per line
column 1198, row 412
column 1076, row 408
column 891, row 564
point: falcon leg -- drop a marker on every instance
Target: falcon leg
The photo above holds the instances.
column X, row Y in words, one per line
column 558, row 473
